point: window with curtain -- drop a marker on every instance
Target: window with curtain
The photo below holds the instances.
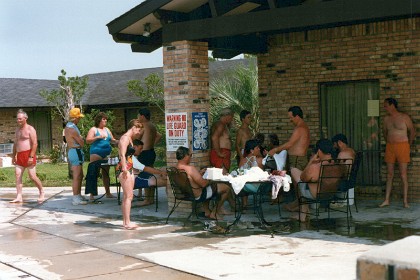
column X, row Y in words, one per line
column 344, row 109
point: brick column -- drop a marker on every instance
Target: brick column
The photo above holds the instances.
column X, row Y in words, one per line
column 186, row 82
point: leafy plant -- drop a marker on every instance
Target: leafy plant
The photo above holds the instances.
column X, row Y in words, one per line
column 150, row 90
column 67, row 96
column 55, row 154
column 237, row 90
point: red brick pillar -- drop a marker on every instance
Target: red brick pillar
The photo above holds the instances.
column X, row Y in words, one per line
column 186, row 81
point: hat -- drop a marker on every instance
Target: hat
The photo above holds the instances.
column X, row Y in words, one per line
column 75, row 113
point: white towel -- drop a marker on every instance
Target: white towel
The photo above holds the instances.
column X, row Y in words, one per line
column 279, row 182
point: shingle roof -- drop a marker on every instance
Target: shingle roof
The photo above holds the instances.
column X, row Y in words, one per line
column 24, row 92
column 103, row 88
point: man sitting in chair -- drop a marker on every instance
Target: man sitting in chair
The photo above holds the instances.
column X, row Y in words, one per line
column 201, row 188
column 341, row 145
column 160, row 174
column 311, row 172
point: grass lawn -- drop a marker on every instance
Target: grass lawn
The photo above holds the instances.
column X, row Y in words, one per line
column 51, row 175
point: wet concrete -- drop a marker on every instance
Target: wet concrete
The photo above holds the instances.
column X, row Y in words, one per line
column 56, row 240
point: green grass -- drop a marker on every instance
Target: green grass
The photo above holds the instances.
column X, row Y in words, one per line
column 51, row 175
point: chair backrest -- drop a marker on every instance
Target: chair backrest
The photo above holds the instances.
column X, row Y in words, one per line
column 331, row 175
column 351, row 182
column 180, row 184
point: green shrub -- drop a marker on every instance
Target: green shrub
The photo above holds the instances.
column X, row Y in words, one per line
column 3, row 176
column 55, row 154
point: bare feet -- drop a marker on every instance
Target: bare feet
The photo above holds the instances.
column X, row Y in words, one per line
column 130, row 226
column 109, row 195
column 384, row 204
column 16, row 201
column 406, row 205
column 41, row 197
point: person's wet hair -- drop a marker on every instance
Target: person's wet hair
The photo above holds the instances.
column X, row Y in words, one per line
column 182, row 152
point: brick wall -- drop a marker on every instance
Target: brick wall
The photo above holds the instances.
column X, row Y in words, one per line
column 290, row 73
column 7, row 125
column 186, row 81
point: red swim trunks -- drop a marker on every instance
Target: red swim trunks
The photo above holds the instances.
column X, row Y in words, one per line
column 22, row 159
column 397, row 152
column 219, row 162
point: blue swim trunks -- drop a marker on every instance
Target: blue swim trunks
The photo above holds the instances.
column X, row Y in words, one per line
column 76, row 156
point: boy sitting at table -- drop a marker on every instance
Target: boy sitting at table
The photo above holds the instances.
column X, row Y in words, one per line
column 160, row 174
column 202, row 188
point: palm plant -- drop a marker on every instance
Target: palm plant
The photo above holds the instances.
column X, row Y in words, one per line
column 237, row 90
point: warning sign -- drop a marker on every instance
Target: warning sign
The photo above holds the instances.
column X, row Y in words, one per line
column 176, row 131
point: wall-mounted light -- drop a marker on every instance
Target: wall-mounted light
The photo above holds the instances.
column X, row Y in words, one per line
column 147, row 29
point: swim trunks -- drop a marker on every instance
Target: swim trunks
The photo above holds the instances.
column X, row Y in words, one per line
column 147, row 157
column 75, row 156
column 305, row 191
column 298, row 162
column 219, row 162
column 207, row 193
column 22, row 159
column 397, row 152
column 141, row 183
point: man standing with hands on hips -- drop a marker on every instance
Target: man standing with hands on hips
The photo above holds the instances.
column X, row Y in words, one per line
column 24, row 156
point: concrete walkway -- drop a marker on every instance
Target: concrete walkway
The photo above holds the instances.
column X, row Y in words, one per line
column 56, row 240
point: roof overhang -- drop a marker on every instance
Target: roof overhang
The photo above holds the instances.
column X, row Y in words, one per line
column 232, row 27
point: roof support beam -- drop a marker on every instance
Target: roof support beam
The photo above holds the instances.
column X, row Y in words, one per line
column 133, row 15
column 330, row 13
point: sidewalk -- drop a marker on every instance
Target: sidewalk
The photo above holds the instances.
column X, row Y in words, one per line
column 56, row 240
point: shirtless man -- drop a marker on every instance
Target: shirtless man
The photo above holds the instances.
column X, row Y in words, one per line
column 150, row 137
column 201, row 188
column 311, row 174
column 243, row 134
column 298, row 144
column 24, row 156
column 341, row 144
column 75, row 155
column 220, row 141
column 399, row 133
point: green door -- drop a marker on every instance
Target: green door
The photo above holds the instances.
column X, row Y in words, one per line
column 345, row 108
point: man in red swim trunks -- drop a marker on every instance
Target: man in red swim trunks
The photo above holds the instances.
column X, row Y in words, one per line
column 220, row 141
column 24, row 156
column 399, row 134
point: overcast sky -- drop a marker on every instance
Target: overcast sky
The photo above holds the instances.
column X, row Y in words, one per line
column 38, row 38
